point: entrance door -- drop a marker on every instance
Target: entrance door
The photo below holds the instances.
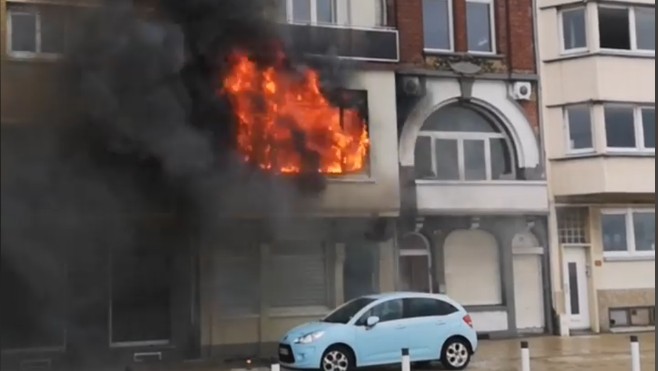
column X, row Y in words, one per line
column 576, row 287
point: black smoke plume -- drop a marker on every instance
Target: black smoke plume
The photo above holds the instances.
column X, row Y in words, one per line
column 144, row 136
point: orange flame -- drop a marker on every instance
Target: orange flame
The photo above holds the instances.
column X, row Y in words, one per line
column 282, row 118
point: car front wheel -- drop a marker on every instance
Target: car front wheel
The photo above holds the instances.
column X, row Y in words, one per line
column 455, row 354
column 337, row 358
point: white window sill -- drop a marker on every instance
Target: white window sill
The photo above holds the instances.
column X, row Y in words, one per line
column 482, row 183
column 343, row 26
column 628, row 257
column 630, row 151
column 350, row 179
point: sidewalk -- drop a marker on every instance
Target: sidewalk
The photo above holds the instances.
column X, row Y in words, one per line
column 609, row 352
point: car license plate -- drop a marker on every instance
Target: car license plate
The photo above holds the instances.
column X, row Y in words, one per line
column 284, row 351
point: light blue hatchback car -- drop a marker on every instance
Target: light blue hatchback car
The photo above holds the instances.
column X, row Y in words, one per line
column 372, row 331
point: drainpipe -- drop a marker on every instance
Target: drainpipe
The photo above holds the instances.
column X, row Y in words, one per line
column 548, row 284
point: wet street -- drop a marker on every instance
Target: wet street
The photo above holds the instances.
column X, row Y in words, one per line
column 583, row 353
column 595, row 352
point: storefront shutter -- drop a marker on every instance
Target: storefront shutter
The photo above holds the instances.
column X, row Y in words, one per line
column 298, row 275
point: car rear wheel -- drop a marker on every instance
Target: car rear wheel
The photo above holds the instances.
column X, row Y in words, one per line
column 455, row 354
column 337, row 358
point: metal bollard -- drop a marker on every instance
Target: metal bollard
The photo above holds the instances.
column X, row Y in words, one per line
column 406, row 361
column 635, row 354
column 525, row 356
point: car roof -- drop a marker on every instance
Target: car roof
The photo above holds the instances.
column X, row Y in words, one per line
column 407, row 295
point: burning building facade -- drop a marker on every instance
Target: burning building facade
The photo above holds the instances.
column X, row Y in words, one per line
column 402, row 154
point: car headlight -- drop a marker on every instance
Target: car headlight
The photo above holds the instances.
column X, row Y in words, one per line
column 309, row 338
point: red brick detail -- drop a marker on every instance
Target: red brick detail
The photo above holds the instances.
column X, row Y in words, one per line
column 459, row 25
column 409, row 20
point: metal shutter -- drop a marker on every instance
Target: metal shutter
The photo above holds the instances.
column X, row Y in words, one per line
column 298, row 275
column 237, row 280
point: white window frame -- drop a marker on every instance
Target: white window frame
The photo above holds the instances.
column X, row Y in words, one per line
column 25, row 9
column 460, row 137
column 563, row 47
column 314, row 13
column 630, row 233
column 451, row 32
column 492, row 27
column 630, row 11
column 567, row 130
column 637, row 127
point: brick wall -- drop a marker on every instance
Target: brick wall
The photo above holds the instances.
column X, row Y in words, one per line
column 408, row 18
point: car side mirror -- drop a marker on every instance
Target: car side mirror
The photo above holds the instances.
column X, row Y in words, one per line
column 372, row 321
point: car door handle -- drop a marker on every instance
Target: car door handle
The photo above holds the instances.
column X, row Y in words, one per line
column 400, row 327
column 441, row 324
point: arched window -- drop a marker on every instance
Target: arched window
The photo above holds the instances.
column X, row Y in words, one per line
column 458, row 142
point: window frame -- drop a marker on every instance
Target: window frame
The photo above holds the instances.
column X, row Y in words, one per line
column 314, row 14
column 36, row 11
column 460, row 137
column 630, row 12
column 567, row 130
column 638, row 128
column 563, row 48
column 492, row 27
column 630, row 232
column 451, row 29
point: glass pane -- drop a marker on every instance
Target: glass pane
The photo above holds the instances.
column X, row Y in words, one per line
column 649, row 127
column 360, row 270
column 580, row 127
column 23, row 32
column 447, row 159
column 645, row 27
column 436, row 24
column 501, row 159
column 614, row 30
column 640, row 317
column 573, row 288
column 414, row 273
column 458, row 118
column 475, row 167
column 618, row 317
column 301, row 10
column 53, row 31
column 325, row 11
column 141, row 296
column 423, row 158
column 613, row 227
column 478, row 24
column 573, row 29
column 644, row 227
column 619, row 127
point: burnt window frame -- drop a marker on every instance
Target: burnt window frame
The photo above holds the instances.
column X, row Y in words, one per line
column 349, row 98
column 37, row 10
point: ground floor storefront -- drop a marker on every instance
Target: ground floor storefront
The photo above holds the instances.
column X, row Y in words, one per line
column 496, row 266
column 606, row 268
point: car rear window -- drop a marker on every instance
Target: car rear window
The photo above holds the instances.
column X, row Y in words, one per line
column 426, row 307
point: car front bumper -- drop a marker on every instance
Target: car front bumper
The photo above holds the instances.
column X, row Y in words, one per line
column 299, row 356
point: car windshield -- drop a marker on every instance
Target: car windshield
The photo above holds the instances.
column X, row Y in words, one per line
column 345, row 312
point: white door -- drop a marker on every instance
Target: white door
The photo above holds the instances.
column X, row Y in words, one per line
column 576, row 287
column 528, row 292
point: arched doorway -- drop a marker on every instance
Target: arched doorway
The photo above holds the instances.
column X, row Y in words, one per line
column 415, row 263
column 472, row 267
column 528, row 282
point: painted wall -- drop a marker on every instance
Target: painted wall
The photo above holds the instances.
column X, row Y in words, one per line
column 377, row 193
column 603, row 175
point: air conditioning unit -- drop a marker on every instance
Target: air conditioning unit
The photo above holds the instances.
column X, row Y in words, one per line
column 412, row 86
column 522, row 90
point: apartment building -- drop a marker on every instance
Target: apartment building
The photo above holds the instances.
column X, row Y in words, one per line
column 474, row 207
column 598, row 109
column 229, row 297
